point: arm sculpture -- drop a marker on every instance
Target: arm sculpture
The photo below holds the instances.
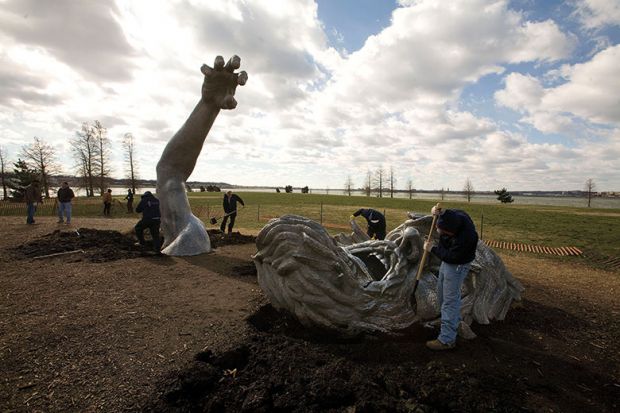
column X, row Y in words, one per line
column 185, row 234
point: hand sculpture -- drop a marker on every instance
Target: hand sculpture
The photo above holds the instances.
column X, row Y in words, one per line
column 221, row 82
column 184, row 234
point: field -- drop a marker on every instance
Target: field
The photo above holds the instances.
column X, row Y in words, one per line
column 117, row 329
column 590, row 229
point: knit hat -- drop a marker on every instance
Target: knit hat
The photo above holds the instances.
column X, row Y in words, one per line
column 448, row 221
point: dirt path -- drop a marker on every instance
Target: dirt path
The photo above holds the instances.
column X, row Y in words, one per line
column 95, row 336
column 122, row 335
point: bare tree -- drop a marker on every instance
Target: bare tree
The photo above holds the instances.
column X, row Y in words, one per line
column 103, row 153
column 368, row 183
column 41, row 157
column 85, row 153
column 129, row 144
column 468, row 189
column 392, row 181
column 589, row 188
column 348, row 185
column 3, row 161
column 410, row 187
column 379, row 181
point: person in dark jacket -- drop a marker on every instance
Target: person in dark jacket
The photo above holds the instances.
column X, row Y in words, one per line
column 65, row 195
column 32, row 197
column 376, row 222
column 230, row 210
column 456, row 248
column 129, row 199
column 151, row 218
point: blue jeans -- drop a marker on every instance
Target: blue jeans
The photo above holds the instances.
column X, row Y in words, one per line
column 451, row 277
column 31, row 208
column 64, row 207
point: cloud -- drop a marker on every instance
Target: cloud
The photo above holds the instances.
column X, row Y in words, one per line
column 596, row 14
column 28, row 87
column 85, row 35
column 310, row 115
column 590, row 92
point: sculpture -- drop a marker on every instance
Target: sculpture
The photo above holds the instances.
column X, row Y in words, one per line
column 185, row 234
column 352, row 284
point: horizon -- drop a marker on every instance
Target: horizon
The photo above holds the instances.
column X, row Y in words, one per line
column 58, row 178
column 509, row 93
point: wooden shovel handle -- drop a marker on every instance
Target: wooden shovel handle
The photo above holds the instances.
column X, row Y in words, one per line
column 430, row 234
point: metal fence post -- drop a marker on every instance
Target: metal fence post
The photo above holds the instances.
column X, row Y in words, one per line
column 321, row 213
column 258, row 213
column 481, row 224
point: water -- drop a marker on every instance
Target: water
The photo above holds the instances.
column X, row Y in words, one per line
column 568, row 201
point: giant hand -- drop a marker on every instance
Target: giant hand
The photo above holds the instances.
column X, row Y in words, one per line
column 184, row 234
column 221, row 82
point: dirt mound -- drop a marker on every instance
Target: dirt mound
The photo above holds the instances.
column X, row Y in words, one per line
column 98, row 245
column 285, row 366
column 106, row 245
column 245, row 270
column 218, row 238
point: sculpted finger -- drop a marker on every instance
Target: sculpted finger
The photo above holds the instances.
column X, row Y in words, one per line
column 233, row 64
column 229, row 102
column 242, row 78
column 206, row 70
column 219, row 63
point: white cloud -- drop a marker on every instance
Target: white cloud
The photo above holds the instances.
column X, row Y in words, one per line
column 595, row 14
column 84, row 35
column 591, row 92
column 308, row 115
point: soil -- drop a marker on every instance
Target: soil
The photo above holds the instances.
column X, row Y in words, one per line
column 97, row 245
column 144, row 333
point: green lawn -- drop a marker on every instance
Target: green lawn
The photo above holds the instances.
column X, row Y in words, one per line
column 587, row 228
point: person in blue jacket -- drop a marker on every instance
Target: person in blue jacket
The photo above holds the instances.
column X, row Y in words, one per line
column 376, row 222
column 457, row 249
column 151, row 218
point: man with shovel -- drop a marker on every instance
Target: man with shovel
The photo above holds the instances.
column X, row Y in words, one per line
column 230, row 210
column 456, row 249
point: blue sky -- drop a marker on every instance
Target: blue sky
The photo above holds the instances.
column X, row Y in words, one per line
column 520, row 94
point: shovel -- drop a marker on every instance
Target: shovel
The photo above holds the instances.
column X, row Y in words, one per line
column 214, row 220
column 438, row 207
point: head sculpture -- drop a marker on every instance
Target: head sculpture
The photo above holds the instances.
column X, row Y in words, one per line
column 352, row 284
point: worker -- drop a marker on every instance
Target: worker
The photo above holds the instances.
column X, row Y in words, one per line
column 230, row 210
column 375, row 220
column 151, row 219
column 456, row 248
column 107, row 202
column 32, row 197
column 129, row 199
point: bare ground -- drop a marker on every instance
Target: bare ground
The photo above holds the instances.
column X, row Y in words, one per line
column 196, row 334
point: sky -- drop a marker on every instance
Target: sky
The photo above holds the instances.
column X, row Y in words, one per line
column 520, row 94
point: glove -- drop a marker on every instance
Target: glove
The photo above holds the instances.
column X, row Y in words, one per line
column 428, row 246
column 436, row 211
column 352, row 217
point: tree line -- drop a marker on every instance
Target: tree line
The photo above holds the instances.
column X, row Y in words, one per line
column 91, row 148
column 90, row 151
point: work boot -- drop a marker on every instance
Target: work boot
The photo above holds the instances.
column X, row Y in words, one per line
column 437, row 345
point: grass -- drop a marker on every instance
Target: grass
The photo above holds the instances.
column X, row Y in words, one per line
column 590, row 228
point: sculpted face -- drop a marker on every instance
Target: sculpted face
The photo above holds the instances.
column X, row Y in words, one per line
column 351, row 284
